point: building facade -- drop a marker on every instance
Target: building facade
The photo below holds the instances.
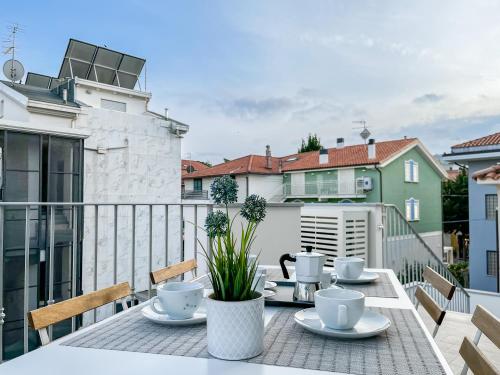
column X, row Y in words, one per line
column 400, row 172
column 70, row 139
column 479, row 154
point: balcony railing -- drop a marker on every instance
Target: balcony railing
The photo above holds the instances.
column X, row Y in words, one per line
column 334, row 189
column 89, row 246
column 84, row 247
column 406, row 252
column 195, row 194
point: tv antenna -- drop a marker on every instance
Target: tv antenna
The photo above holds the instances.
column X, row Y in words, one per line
column 365, row 133
column 12, row 69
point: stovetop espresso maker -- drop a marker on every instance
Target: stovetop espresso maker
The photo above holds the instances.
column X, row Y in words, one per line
column 308, row 271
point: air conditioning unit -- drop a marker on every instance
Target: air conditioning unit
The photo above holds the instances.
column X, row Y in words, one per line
column 364, row 183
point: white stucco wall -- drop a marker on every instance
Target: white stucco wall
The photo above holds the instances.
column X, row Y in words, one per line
column 146, row 169
column 92, row 98
column 268, row 186
column 12, row 110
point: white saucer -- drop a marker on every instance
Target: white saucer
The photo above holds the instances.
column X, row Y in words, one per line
column 370, row 324
column 365, row 278
column 199, row 316
column 268, row 293
column 270, row 285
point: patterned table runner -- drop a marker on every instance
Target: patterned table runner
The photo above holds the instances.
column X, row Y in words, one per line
column 402, row 349
column 382, row 287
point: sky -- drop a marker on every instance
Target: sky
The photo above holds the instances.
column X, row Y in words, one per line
column 244, row 74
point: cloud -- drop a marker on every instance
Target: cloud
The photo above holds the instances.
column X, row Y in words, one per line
column 428, row 98
column 251, row 109
column 439, row 135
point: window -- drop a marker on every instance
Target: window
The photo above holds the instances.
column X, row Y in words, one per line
column 113, row 105
column 491, row 263
column 412, row 209
column 491, row 203
column 197, row 184
column 1, row 108
column 411, row 171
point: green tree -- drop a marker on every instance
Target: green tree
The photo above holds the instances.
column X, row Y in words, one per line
column 456, row 202
column 207, row 163
column 313, row 143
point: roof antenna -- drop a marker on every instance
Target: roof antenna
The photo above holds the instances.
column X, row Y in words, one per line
column 365, row 133
column 12, row 69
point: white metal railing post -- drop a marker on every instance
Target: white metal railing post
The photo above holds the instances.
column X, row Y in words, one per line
column 181, row 233
column 96, row 246
column 2, row 310
column 115, row 249
column 210, row 209
column 166, row 235
column 150, row 248
column 50, row 301
column 133, row 254
column 74, row 260
column 27, row 237
column 195, row 237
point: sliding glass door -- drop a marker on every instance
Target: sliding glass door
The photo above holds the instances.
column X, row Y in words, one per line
column 36, row 168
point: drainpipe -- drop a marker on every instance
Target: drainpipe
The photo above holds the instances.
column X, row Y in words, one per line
column 380, row 179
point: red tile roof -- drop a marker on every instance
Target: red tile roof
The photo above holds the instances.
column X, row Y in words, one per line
column 346, row 156
column 452, row 174
column 255, row 164
column 491, row 173
column 197, row 165
column 343, row 157
column 492, row 139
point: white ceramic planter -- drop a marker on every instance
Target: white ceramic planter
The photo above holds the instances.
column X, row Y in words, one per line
column 235, row 330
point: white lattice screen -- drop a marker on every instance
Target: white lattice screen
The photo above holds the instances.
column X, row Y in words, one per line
column 335, row 233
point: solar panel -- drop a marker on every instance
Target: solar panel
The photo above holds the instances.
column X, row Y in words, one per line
column 101, row 65
column 55, row 82
column 38, row 80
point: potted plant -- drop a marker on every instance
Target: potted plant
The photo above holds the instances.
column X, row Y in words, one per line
column 235, row 311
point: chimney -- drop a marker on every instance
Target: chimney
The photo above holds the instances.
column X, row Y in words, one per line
column 372, row 153
column 323, row 156
column 166, row 113
column 269, row 162
column 340, row 142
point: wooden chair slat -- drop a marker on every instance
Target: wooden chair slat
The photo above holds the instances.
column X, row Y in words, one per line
column 431, row 306
column 476, row 360
column 48, row 315
column 444, row 287
column 172, row 271
column 487, row 323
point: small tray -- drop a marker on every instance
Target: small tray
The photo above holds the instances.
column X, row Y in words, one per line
column 284, row 297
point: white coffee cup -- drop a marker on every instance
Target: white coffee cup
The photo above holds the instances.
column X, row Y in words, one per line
column 259, row 281
column 178, row 300
column 326, row 279
column 339, row 308
column 349, row 267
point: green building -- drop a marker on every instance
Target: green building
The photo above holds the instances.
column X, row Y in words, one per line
column 400, row 172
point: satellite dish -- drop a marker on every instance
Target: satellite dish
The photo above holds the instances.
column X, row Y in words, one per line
column 13, row 70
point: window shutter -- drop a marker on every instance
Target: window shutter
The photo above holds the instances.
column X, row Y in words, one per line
column 416, row 210
column 408, row 210
column 407, row 171
column 415, row 172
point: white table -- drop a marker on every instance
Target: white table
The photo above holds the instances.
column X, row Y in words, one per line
column 57, row 359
